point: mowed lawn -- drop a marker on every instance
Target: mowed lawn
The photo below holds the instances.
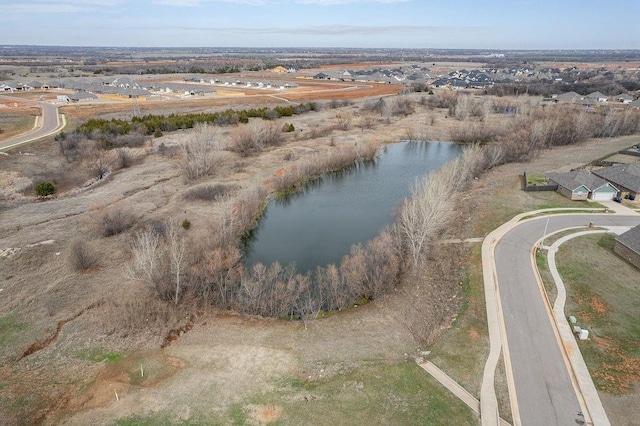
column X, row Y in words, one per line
column 604, row 295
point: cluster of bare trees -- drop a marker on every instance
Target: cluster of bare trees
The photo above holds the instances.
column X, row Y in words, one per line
column 216, row 276
column 531, row 130
column 464, row 106
column 251, row 140
column 367, row 273
column 159, row 260
column 340, row 158
column 619, row 122
column 211, row 270
column 100, row 153
column 201, row 155
column 424, row 215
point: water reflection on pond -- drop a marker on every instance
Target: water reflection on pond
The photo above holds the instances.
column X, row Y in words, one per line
column 319, row 224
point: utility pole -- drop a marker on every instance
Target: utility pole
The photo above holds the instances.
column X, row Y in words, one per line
column 544, row 234
column 136, row 107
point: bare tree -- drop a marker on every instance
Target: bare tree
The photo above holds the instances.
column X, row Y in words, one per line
column 98, row 163
column 267, row 134
column 176, row 253
column 81, row 255
column 146, row 249
column 424, row 213
column 200, row 152
column 367, row 121
column 244, row 142
column 113, row 220
column 123, row 158
column 462, row 109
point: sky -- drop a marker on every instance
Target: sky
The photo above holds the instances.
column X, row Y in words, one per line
column 444, row 24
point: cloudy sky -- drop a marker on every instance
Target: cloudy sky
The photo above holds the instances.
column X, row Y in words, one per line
column 489, row 24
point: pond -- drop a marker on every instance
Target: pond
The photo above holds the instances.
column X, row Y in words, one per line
column 319, row 224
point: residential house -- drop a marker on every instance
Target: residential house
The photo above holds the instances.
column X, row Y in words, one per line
column 82, row 96
column 571, row 97
column 624, row 98
column 597, row 96
column 626, row 177
column 321, row 76
column 627, row 246
column 582, row 185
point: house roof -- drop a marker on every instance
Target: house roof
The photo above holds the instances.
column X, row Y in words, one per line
column 631, row 239
column 576, row 178
column 596, row 95
column 83, row 96
column 624, row 97
column 569, row 97
column 622, row 175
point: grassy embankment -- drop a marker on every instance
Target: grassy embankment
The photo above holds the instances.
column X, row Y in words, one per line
column 603, row 295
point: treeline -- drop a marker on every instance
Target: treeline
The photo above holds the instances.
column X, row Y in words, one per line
column 153, row 124
column 554, row 126
column 607, row 87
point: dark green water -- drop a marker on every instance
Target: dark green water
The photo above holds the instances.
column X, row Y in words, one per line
column 318, row 225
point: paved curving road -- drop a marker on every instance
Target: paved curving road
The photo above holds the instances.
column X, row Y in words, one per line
column 50, row 124
column 542, row 387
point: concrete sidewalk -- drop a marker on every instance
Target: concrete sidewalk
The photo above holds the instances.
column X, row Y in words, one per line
column 455, row 388
column 592, row 400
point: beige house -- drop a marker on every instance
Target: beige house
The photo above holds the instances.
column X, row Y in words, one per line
column 582, row 185
column 628, row 246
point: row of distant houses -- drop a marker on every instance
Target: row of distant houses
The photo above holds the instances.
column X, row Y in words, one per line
column 256, row 84
column 594, row 98
column 127, row 87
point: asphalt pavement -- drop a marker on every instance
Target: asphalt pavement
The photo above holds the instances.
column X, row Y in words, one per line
column 49, row 124
column 542, row 388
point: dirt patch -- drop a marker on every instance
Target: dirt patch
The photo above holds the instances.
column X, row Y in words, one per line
column 118, row 380
column 619, row 372
column 598, row 306
column 265, row 414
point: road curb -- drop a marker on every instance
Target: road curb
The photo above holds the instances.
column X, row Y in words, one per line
column 595, row 411
column 495, row 320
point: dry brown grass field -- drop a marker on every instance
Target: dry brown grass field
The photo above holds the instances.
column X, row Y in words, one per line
column 95, row 346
